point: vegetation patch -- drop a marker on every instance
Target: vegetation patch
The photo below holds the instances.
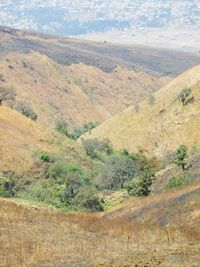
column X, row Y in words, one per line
column 26, row 110
column 180, row 181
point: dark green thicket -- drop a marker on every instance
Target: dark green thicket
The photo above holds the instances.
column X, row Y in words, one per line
column 70, row 187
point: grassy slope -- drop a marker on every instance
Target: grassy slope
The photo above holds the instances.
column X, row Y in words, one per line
column 32, row 235
column 20, row 138
column 161, row 127
column 78, row 93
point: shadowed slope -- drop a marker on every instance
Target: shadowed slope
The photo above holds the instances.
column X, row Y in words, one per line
column 106, row 56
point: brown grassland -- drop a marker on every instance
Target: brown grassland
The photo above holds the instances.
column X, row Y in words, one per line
column 161, row 230
column 79, row 81
column 160, row 127
column 76, row 93
column 21, row 139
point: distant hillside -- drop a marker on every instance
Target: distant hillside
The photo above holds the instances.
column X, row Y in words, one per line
column 160, row 123
column 163, row 23
column 105, row 56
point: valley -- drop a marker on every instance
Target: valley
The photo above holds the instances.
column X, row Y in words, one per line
column 99, row 153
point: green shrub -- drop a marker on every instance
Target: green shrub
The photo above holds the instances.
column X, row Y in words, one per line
column 141, row 186
column 88, row 199
column 6, row 187
column 26, row 110
column 180, row 181
column 82, row 130
column 181, row 156
column 44, row 156
column 46, row 191
column 94, row 147
column 183, row 95
column 58, row 171
column 73, row 185
column 62, row 127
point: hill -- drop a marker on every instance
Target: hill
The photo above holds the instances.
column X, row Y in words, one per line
column 106, row 56
column 160, row 123
column 77, row 93
column 35, row 235
column 80, row 81
column 21, row 140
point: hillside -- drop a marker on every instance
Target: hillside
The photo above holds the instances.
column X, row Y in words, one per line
column 160, row 123
column 21, row 139
column 35, row 236
column 81, row 81
column 77, row 93
column 106, row 56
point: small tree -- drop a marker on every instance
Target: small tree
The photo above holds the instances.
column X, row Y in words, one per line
column 183, row 95
column 181, row 155
column 141, row 187
column 7, row 94
column 116, row 172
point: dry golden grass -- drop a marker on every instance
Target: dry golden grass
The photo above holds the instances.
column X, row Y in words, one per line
column 37, row 236
column 161, row 127
column 78, row 93
column 20, row 138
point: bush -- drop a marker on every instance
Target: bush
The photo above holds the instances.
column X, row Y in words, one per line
column 6, row 187
column 58, row 171
column 141, row 186
column 7, row 94
column 87, row 199
column 26, row 110
column 82, row 130
column 62, row 127
column 183, row 95
column 179, row 181
column 181, row 155
column 44, row 156
column 46, row 191
column 94, row 147
column 73, row 185
column 116, row 171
